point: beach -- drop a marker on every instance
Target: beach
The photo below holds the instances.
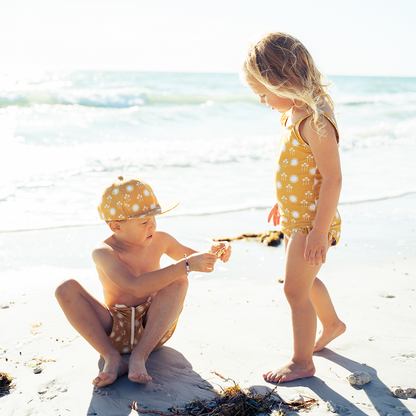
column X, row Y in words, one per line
column 235, row 322
column 204, row 139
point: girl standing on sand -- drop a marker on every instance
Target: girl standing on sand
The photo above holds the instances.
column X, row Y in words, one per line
column 280, row 70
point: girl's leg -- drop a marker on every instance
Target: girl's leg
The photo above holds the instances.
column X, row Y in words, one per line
column 164, row 310
column 332, row 326
column 93, row 322
column 299, row 278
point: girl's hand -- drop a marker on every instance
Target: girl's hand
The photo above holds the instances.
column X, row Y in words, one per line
column 202, row 262
column 222, row 251
column 316, row 246
column 274, row 213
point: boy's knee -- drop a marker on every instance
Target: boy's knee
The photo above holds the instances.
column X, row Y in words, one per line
column 183, row 282
column 180, row 284
column 66, row 288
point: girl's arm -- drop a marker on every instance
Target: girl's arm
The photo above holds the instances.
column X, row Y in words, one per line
column 325, row 151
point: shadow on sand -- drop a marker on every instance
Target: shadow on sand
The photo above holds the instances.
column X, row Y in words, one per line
column 174, row 383
column 377, row 392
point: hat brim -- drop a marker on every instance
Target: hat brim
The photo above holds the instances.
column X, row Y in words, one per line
column 165, row 205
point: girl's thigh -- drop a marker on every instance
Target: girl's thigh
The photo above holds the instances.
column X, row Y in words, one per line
column 299, row 274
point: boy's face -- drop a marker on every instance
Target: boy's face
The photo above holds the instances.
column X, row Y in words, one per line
column 138, row 231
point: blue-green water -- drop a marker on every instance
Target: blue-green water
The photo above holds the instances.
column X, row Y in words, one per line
column 202, row 138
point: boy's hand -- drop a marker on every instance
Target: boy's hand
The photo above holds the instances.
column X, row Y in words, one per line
column 274, row 213
column 202, row 262
column 316, row 246
column 222, row 251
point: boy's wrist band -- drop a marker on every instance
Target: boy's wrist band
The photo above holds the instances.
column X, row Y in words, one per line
column 187, row 265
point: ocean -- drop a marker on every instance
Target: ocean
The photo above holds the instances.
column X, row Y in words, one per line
column 201, row 138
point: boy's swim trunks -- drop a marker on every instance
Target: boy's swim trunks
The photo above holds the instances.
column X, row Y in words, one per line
column 124, row 319
column 298, row 182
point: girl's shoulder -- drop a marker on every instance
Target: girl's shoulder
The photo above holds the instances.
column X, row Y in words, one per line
column 326, row 128
column 328, row 113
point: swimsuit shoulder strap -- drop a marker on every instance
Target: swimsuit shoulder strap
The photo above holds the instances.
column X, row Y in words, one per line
column 326, row 115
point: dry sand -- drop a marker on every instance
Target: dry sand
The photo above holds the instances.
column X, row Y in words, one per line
column 236, row 321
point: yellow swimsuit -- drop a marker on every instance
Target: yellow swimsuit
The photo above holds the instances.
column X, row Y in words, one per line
column 298, row 182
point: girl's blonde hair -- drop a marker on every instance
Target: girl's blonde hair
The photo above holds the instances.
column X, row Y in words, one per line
column 283, row 64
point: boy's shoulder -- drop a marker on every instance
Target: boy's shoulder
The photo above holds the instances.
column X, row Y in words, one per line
column 102, row 250
column 109, row 248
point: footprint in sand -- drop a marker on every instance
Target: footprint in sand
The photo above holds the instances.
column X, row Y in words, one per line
column 403, row 357
column 49, row 391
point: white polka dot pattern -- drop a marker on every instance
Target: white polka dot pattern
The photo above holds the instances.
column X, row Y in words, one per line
column 130, row 197
column 298, row 183
column 120, row 335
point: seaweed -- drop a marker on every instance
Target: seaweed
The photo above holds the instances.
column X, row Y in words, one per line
column 5, row 382
column 269, row 238
column 235, row 401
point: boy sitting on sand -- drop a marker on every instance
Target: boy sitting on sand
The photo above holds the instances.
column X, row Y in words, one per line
column 142, row 300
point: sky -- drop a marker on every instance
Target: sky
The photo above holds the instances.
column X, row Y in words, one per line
column 354, row 37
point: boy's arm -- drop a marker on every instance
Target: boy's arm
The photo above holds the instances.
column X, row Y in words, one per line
column 176, row 250
column 144, row 285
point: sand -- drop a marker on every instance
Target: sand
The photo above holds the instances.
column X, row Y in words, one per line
column 236, row 321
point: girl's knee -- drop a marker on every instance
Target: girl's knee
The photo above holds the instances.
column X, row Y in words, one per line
column 295, row 294
column 289, row 291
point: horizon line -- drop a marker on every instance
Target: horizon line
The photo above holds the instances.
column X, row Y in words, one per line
column 13, row 68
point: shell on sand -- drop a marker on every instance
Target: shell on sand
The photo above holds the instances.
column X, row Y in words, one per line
column 399, row 392
column 410, row 392
column 359, row 378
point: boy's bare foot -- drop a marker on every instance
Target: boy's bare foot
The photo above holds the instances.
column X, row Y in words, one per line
column 114, row 367
column 138, row 372
column 327, row 335
column 289, row 372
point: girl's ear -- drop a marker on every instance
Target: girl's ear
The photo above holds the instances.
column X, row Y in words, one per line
column 115, row 227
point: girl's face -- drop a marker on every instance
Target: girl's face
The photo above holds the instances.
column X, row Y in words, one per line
column 281, row 104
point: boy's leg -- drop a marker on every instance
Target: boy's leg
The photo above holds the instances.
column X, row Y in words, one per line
column 299, row 277
column 332, row 326
column 93, row 322
column 164, row 310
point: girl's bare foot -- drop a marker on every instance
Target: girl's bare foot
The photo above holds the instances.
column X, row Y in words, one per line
column 289, row 372
column 138, row 372
column 327, row 335
column 114, row 367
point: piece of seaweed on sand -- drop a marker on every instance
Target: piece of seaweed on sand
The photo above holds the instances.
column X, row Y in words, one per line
column 5, row 383
column 268, row 238
column 234, row 401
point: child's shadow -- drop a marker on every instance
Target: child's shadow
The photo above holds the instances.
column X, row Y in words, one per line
column 174, row 383
column 378, row 393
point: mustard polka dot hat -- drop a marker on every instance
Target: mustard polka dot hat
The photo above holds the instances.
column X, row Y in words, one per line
column 131, row 197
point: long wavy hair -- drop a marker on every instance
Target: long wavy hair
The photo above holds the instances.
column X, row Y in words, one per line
column 283, row 64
